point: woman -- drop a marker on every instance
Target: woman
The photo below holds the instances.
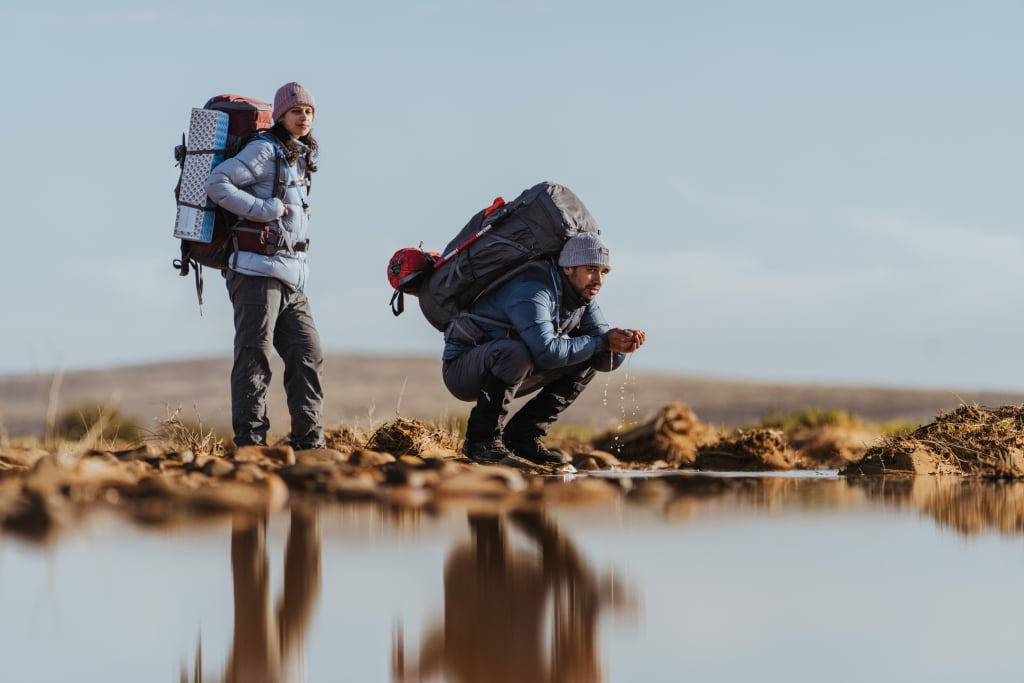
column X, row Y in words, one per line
column 267, row 275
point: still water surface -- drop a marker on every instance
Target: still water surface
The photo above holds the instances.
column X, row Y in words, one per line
column 688, row 578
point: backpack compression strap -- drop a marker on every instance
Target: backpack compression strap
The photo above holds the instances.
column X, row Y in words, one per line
column 399, row 307
column 183, row 265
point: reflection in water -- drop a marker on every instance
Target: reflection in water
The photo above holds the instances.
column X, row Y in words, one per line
column 511, row 615
column 702, row 495
column 968, row 505
column 521, row 602
column 269, row 641
column 732, row 569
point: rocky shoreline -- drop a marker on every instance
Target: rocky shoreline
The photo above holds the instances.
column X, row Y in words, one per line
column 408, row 463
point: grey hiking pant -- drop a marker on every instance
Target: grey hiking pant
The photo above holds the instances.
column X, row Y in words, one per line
column 269, row 315
column 509, row 361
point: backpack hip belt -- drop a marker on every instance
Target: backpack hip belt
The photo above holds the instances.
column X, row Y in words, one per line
column 260, row 238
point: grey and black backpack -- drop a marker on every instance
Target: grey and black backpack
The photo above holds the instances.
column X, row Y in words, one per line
column 491, row 249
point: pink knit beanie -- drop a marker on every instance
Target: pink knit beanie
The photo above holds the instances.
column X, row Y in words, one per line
column 289, row 95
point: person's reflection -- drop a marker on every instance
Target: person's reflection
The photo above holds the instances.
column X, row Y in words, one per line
column 510, row 615
column 269, row 643
column 269, row 640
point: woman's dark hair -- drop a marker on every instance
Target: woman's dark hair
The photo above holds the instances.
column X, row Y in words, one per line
column 291, row 152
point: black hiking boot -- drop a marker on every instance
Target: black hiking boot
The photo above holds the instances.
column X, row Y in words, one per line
column 531, row 448
column 483, row 428
column 494, row 452
column 524, row 431
column 489, row 452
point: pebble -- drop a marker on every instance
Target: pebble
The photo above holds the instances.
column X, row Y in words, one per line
column 282, row 454
column 315, row 455
column 218, row 468
column 364, row 457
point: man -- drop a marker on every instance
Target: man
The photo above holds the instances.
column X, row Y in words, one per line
column 541, row 330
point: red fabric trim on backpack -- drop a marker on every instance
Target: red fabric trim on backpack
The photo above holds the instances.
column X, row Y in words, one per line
column 246, row 115
column 497, row 204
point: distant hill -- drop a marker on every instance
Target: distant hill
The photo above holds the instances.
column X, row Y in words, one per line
column 364, row 391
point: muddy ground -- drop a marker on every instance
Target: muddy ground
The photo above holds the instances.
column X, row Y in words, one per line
column 44, row 488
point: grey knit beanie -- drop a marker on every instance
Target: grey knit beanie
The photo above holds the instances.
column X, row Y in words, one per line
column 584, row 249
column 289, row 95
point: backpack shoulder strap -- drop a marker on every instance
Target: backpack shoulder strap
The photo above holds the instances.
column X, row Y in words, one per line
column 282, row 173
column 574, row 320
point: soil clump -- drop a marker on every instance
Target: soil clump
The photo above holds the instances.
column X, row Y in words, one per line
column 970, row 440
column 676, row 437
column 755, row 450
column 673, row 435
column 831, row 445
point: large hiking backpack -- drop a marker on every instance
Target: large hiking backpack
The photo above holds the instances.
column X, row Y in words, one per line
column 491, row 249
column 217, row 131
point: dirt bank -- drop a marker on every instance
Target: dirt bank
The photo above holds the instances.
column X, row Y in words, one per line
column 970, row 440
column 676, row 437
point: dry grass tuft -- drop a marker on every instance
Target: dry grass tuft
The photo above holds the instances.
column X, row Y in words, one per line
column 810, row 418
column 183, row 436
column 402, row 436
column 344, row 438
column 96, row 426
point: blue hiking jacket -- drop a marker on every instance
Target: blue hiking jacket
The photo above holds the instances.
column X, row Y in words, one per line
column 540, row 307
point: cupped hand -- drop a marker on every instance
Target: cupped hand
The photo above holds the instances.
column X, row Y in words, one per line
column 625, row 341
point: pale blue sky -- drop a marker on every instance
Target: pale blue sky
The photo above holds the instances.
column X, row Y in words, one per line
column 800, row 191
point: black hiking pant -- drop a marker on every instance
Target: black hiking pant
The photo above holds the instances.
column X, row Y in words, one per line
column 509, row 361
column 269, row 316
